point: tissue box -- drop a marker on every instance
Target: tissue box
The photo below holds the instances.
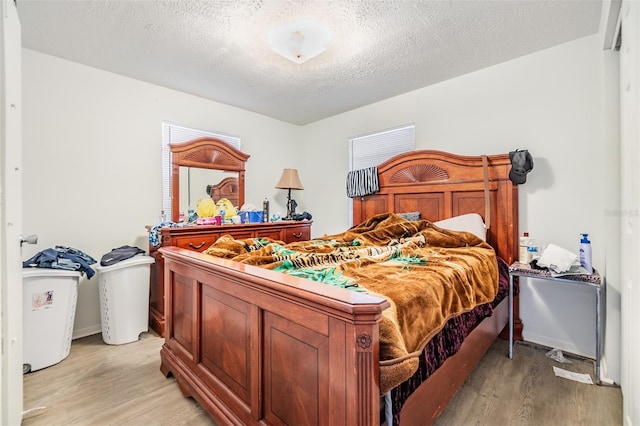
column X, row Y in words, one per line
column 251, row 217
column 208, row 220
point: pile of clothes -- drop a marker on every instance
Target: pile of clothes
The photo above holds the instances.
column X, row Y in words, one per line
column 119, row 254
column 62, row 257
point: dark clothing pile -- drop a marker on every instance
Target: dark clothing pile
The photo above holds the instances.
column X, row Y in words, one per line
column 119, row 254
column 62, row 257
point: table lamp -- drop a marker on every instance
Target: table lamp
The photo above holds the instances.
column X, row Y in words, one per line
column 289, row 180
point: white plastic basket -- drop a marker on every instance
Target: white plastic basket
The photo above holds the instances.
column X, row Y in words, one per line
column 49, row 310
column 124, row 299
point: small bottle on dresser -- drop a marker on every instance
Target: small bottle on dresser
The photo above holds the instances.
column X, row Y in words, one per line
column 265, row 210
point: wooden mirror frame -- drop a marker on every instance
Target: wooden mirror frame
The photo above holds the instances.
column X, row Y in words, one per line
column 204, row 153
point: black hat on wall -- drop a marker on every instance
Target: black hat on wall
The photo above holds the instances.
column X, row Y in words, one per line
column 521, row 164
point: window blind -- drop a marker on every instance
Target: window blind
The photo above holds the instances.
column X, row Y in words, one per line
column 374, row 148
column 172, row 133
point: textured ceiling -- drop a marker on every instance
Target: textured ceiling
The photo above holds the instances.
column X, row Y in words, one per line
column 216, row 49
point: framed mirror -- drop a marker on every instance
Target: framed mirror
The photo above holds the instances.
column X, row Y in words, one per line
column 201, row 165
column 196, row 184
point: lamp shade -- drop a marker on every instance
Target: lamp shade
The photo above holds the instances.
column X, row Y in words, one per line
column 289, row 180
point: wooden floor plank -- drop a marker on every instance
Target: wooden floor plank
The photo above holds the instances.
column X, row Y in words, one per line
column 100, row 384
column 525, row 391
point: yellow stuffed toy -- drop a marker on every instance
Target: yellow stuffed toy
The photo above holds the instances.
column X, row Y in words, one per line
column 206, row 208
column 229, row 209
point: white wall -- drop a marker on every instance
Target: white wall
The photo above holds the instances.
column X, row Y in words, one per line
column 92, row 158
column 551, row 103
column 630, row 206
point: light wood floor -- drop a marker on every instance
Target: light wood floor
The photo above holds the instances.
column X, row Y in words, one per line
column 100, row 384
column 525, row 391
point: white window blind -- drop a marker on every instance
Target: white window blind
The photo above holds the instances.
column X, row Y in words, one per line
column 375, row 148
column 172, row 133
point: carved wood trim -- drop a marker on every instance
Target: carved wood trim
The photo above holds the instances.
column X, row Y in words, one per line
column 207, row 155
column 364, row 341
column 365, row 386
column 419, row 173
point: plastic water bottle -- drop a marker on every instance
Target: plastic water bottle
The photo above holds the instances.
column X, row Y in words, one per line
column 532, row 250
column 191, row 216
column 523, row 255
column 585, row 253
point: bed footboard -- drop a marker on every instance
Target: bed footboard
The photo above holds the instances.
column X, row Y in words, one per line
column 255, row 346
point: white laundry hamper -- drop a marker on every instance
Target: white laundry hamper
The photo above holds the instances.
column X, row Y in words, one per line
column 124, row 299
column 48, row 311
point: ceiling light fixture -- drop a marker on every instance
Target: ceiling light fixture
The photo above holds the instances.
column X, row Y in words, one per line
column 299, row 40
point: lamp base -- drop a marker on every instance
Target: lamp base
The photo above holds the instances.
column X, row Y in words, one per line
column 291, row 207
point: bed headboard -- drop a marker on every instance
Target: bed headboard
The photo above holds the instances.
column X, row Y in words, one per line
column 226, row 188
column 440, row 185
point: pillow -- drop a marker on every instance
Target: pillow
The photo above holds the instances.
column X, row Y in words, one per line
column 471, row 222
column 410, row 215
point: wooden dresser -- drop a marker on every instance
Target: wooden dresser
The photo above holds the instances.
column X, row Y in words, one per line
column 199, row 238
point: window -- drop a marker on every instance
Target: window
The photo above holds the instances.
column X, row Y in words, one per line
column 172, row 133
column 372, row 149
column 375, row 148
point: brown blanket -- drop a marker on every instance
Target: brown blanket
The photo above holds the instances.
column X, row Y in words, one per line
column 428, row 275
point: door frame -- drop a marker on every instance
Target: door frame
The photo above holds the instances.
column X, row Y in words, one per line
column 11, row 384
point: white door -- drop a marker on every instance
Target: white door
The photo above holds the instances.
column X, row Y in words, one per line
column 630, row 201
column 10, row 216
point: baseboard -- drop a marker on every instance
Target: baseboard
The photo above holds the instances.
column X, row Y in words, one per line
column 604, row 376
column 559, row 344
column 86, row 331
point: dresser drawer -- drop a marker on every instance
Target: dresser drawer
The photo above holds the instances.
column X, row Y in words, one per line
column 300, row 233
column 239, row 235
column 274, row 234
column 197, row 242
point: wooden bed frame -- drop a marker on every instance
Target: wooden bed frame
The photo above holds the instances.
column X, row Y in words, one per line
column 254, row 346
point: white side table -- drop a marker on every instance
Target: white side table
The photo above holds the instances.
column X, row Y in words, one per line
column 594, row 281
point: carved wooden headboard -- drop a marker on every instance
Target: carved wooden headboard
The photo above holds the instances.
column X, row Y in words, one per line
column 440, row 185
column 226, row 188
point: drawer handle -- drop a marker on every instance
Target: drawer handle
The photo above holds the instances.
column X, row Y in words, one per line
column 199, row 246
column 297, row 234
